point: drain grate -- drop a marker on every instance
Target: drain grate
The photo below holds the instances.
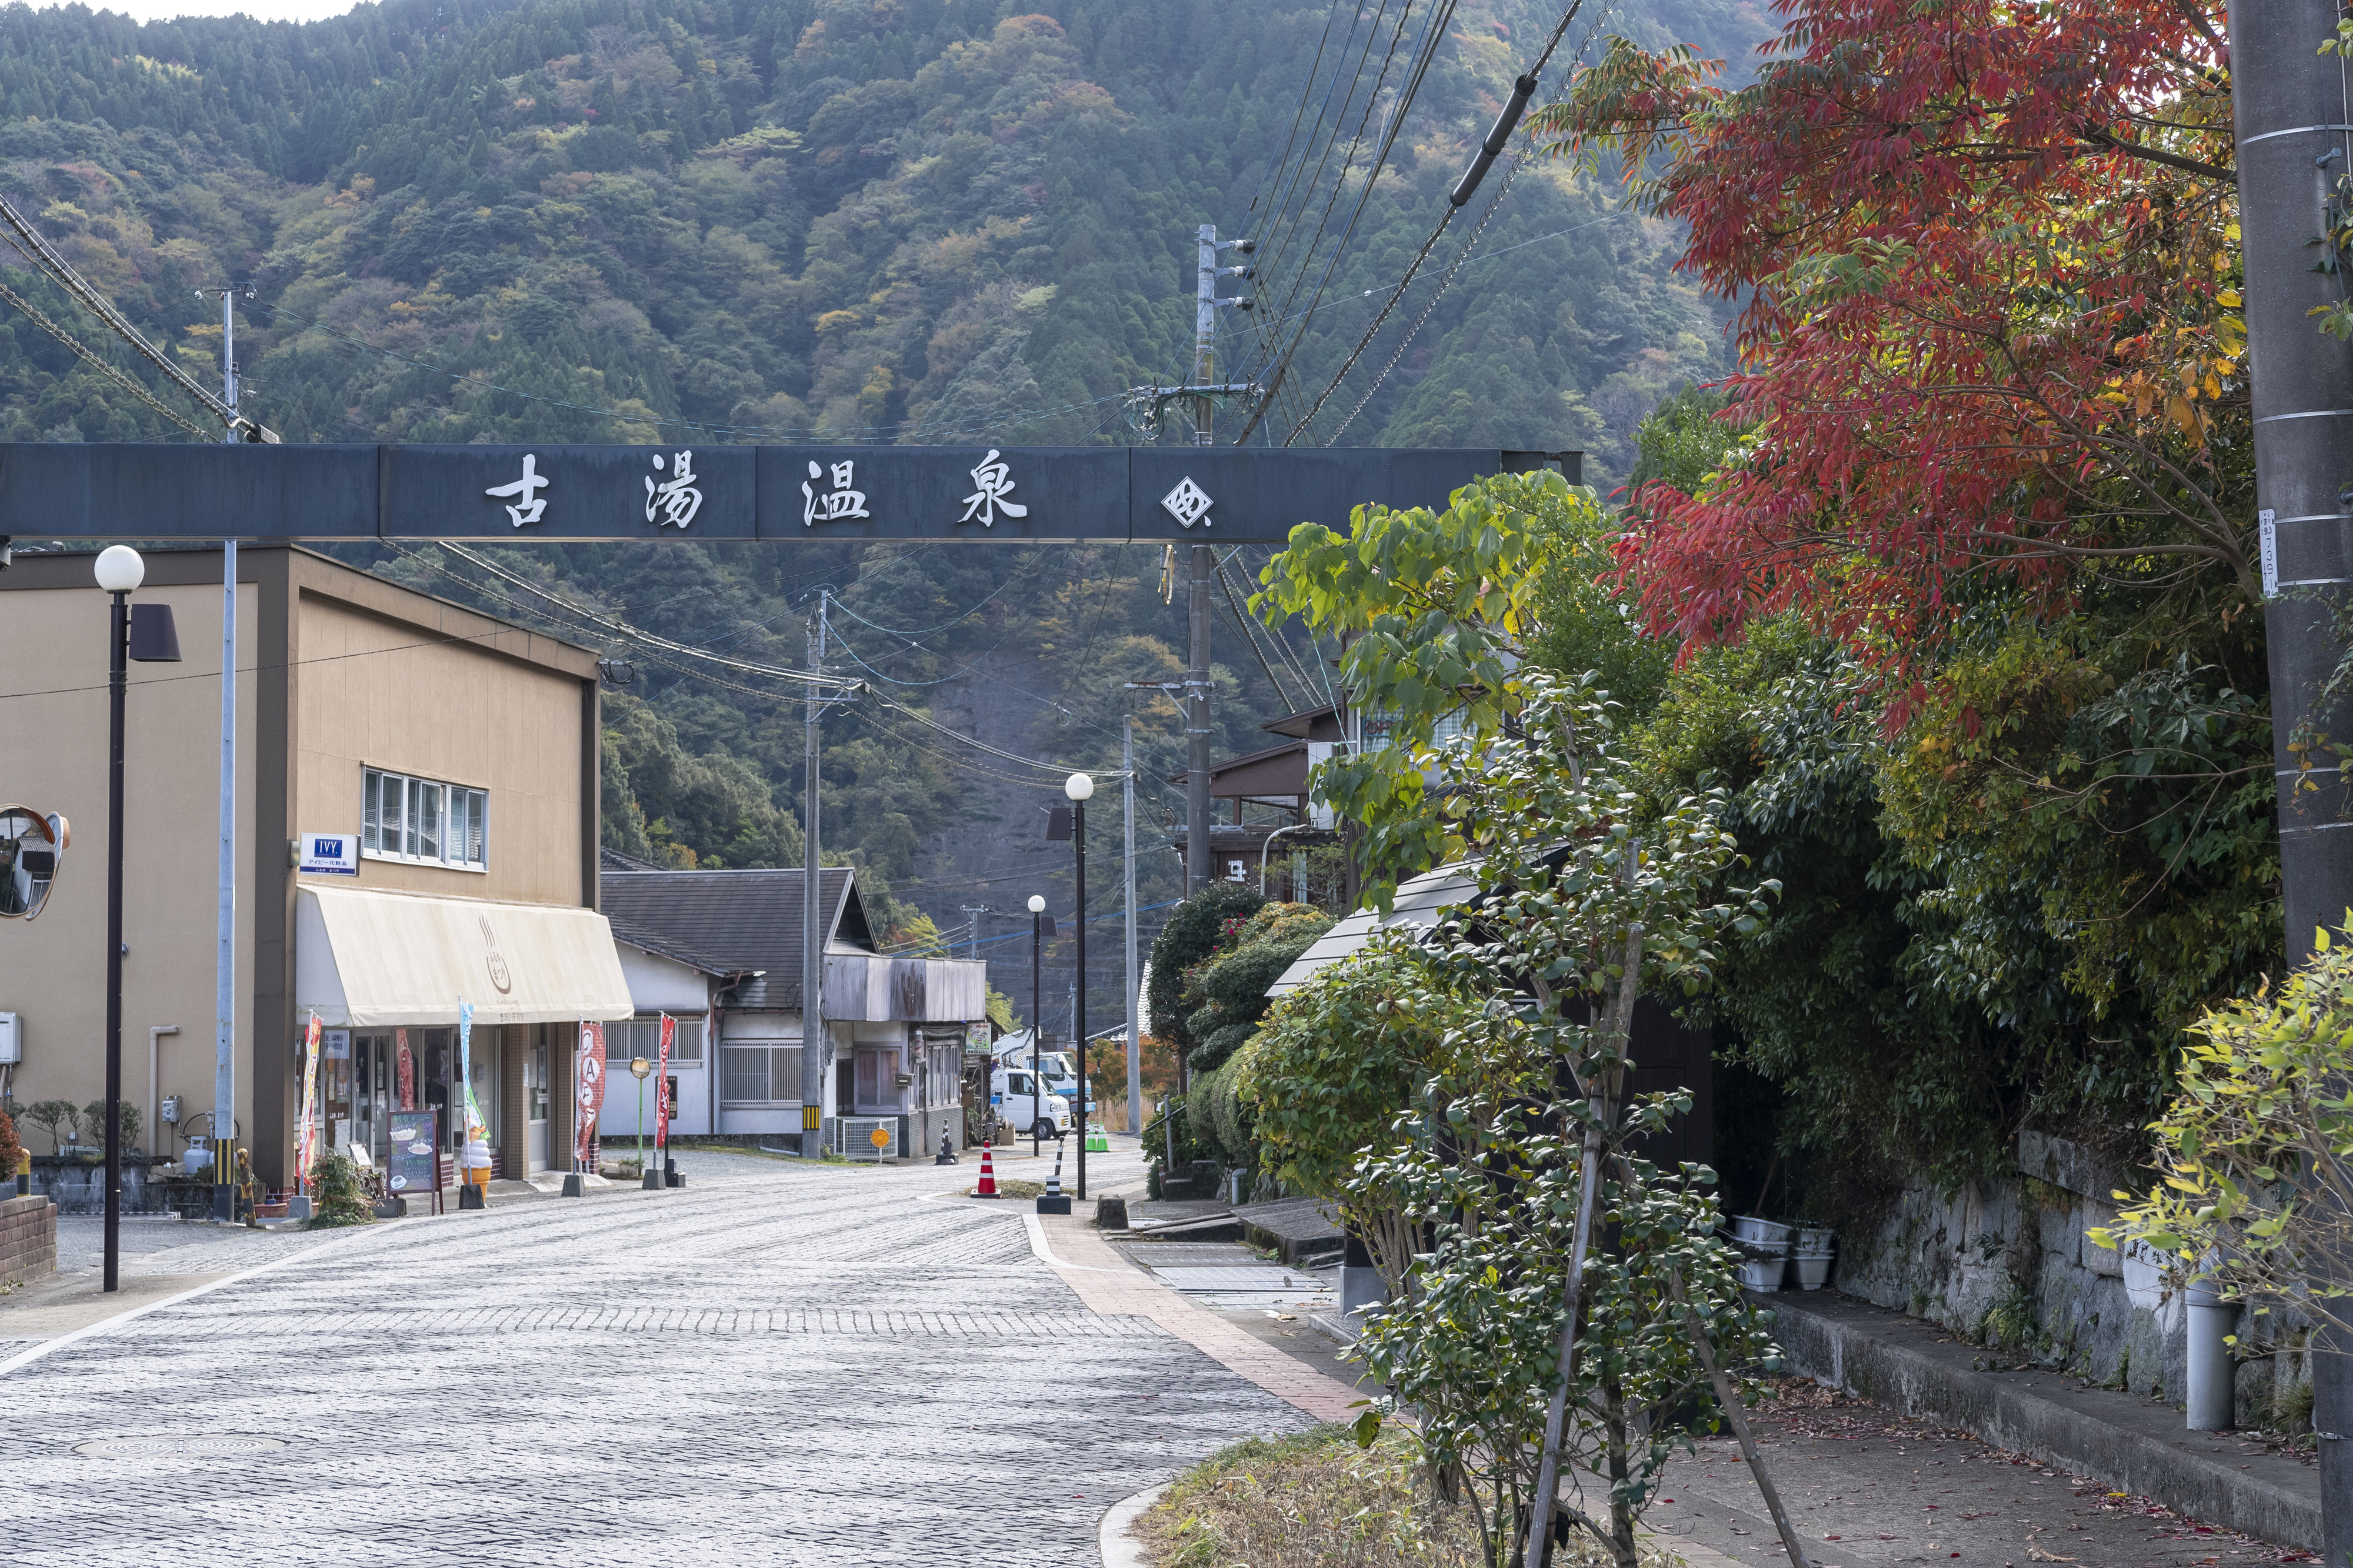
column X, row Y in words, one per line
column 179, row 1446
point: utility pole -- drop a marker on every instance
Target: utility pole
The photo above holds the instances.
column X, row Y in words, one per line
column 1128, row 818
column 225, row 936
column 812, row 920
column 2290, row 117
column 972, row 913
column 1196, row 726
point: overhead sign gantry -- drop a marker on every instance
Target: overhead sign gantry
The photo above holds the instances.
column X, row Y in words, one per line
column 585, row 493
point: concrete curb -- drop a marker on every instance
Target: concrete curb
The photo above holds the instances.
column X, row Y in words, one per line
column 1905, row 1366
column 1119, row 1549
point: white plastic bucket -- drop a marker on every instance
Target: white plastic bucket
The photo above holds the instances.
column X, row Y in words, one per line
column 1759, row 1232
column 1813, row 1270
column 1814, row 1238
column 1762, row 1273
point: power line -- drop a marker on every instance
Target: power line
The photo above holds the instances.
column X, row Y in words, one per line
column 42, row 255
column 1435, row 32
column 1364, row 122
column 103, row 368
column 1507, row 123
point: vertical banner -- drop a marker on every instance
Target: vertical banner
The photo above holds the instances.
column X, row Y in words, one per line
column 662, row 1077
column 406, row 1063
column 306, row 1137
column 475, row 1126
column 590, row 1099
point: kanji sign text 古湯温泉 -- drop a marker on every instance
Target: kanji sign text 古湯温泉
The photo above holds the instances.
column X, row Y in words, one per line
column 1018, row 494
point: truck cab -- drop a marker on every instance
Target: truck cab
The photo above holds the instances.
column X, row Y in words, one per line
column 1015, row 1094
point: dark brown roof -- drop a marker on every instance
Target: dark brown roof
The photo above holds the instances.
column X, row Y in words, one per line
column 727, row 923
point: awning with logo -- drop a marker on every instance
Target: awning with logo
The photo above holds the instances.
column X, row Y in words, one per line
column 365, row 958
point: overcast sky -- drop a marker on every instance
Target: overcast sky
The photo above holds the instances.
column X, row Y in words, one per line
column 267, row 10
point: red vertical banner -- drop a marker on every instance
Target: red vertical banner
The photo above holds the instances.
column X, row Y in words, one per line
column 406, row 1064
column 590, row 1098
column 662, row 1076
column 306, row 1139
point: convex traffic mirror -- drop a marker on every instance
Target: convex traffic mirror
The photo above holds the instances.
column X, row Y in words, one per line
column 31, row 845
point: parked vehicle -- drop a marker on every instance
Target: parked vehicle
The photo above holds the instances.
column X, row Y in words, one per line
column 1013, row 1095
column 1057, row 1068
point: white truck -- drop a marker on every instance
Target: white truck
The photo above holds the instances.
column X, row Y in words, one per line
column 1013, row 1094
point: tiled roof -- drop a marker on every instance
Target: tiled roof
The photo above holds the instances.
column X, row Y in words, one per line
column 728, row 922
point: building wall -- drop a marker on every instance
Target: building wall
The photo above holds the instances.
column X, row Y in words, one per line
column 53, row 662
column 378, row 692
column 351, row 672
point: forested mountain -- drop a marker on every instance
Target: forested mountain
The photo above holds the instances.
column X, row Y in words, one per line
column 912, row 221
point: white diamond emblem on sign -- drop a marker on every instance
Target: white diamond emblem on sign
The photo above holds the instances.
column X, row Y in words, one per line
column 1188, row 503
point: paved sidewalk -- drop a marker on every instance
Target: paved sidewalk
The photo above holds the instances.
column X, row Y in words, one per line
column 1867, row 1488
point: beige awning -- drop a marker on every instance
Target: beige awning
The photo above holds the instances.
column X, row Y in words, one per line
column 365, row 958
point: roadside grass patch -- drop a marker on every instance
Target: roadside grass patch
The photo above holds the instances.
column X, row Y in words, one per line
column 1010, row 1187
column 1316, row 1501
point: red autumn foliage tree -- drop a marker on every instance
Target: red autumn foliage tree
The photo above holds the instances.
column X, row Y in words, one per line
column 1991, row 330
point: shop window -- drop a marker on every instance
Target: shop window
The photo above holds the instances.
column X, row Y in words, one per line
column 760, row 1075
column 420, row 821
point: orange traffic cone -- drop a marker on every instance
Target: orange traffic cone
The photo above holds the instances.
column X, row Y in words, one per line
column 988, row 1188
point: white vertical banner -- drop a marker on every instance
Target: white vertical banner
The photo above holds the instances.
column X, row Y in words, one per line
column 2267, row 531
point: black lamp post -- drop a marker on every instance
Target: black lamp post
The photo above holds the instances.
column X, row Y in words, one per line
column 1079, row 787
column 148, row 636
column 1039, row 922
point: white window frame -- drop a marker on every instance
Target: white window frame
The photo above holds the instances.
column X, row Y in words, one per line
column 372, row 781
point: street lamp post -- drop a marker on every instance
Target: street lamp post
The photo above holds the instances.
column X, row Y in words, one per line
column 1037, row 1082
column 148, row 637
column 1079, row 787
column 640, row 1067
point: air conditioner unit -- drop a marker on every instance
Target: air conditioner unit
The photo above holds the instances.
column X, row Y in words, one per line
column 12, row 1038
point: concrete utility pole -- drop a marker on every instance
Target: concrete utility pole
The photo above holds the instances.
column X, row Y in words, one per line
column 1198, row 608
column 2295, row 127
column 1198, row 859
column 812, row 917
column 1127, row 818
column 972, row 913
column 225, row 938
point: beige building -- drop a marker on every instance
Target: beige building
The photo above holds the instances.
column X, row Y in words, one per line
column 456, row 754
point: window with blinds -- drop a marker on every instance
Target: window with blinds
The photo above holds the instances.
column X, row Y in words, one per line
column 423, row 822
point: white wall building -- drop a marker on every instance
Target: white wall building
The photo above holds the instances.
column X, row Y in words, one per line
column 720, row 952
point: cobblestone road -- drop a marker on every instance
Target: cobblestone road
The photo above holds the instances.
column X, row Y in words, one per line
column 771, row 1365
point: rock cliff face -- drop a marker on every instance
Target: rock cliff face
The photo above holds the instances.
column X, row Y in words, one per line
column 2006, row 1263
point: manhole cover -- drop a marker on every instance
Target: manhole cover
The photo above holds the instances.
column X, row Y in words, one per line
column 197, row 1445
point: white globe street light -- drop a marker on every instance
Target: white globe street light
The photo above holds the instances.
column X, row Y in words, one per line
column 1037, row 904
column 1079, row 786
column 118, row 569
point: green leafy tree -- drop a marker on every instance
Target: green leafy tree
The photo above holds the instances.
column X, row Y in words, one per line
column 1435, row 612
column 1340, row 1060
column 1569, row 1298
column 2254, row 1188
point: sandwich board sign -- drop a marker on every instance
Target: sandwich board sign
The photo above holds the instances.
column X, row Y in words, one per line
column 414, row 1166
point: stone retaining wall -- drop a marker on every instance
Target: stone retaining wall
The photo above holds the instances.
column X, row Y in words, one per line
column 2005, row 1264
column 29, row 1238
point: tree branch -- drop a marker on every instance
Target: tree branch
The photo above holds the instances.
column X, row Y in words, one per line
column 2095, row 136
